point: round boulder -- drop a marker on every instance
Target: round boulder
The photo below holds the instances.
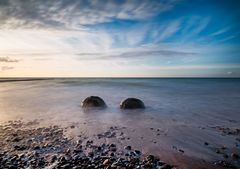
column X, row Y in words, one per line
column 93, row 101
column 132, row 103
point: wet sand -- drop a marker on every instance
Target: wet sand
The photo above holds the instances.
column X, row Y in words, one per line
column 24, row 145
column 32, row 144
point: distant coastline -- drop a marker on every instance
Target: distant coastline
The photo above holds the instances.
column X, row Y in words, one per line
column 2, row 80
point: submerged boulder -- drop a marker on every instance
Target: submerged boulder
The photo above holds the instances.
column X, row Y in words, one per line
column 132, row 103
column 93, row 101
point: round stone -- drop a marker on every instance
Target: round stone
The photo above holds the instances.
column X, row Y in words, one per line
column 93, row 101
column 132, row 103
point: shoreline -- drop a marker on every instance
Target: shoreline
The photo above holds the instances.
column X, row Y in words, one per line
column 19, row 79
column 47, row 146
column 4, row 80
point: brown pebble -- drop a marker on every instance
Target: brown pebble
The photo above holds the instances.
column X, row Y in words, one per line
column 105, row 162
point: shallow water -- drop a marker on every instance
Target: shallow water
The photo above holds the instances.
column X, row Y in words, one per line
column 214, row 100
column 179, row 108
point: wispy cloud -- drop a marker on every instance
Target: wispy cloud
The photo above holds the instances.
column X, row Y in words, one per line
column 193, row 26
column 227, row 38
column 133, row 54
column 7, row 59
column 171, row 29
column 115, row 32
column 4, row 68
column 201, row 26
column 72, row 14
column 221, row 31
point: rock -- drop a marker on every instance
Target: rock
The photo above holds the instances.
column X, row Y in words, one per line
column 53, row 158
column 132, row 103
column 166, row 166
column 112, row 145
column 127, row 147
column 138, row 152
column 181, row 151
column 105, row 162
column 16, row 139
column 225, row 156
column 234, row 155
column 66, row 166
column 113, row 149
column 93, row 101
column 150, row 158
column 66, row 153
column 20, row 147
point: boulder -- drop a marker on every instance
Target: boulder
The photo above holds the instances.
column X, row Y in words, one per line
column 93, row 101
column 132, row 103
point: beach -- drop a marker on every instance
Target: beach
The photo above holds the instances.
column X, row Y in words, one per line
column 187, row 123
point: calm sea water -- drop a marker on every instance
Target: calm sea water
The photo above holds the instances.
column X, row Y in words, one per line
column 212, row 99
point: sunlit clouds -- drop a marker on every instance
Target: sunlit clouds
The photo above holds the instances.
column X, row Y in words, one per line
column 118, row 38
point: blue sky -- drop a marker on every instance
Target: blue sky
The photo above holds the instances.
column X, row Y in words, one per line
column 124, row 38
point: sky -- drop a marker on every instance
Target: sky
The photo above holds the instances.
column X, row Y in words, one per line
column 119, row 38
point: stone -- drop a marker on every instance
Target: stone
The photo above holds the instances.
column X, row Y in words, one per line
column 225, row 156
column 138, row 152
column 93, row 101
column 62, row 153
column 20, row 147
column 127, row 147
column 166, row 166
column 234, row 155
column 150, row 158
column 132, row 103
column 105, row 162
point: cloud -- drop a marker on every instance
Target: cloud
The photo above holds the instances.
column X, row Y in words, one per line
column 227, row 38
column 4, row 68
column 171, row 29
column 89, row 54
column 72, row 14
column 133, row 54
column 7, row 59
column 193, row 26
column 201, row 26
column 221, row 31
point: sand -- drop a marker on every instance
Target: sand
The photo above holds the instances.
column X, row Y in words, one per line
column 38, row 143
